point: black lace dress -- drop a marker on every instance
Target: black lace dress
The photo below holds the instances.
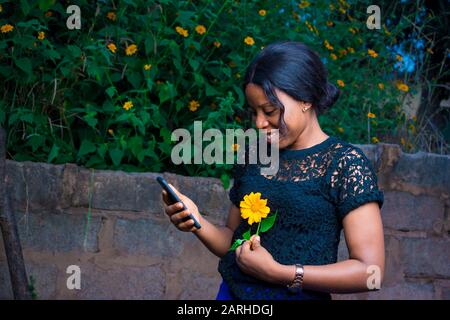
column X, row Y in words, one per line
column 313, row 190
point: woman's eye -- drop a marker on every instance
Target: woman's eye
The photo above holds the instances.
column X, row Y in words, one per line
column 268, row 113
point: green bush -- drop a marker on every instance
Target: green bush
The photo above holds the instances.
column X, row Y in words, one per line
column 110, row 94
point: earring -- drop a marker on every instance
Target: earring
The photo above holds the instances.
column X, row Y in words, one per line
column 304, row 109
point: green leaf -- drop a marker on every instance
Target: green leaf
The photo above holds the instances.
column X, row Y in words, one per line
column 247, row 234
column 135, row 144
column 111, row 91
column 268, row 222
column 236, row 244
column 194, row 64
column 25, row 7
column 116, row 156
column 53, row 153
column 24, row 64
column 166, row 92
column 86, row 147
column 225, row 178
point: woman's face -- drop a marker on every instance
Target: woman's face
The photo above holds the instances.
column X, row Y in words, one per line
column 267, row 116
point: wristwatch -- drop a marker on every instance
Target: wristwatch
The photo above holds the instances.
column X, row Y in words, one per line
column 297, row 284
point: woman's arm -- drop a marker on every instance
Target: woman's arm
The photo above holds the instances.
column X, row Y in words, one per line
column 365, row 241
column 216, row 239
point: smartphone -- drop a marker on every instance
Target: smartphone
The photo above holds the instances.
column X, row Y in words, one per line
column 173, row 198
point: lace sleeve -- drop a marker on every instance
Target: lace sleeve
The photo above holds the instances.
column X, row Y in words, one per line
column 354, row 183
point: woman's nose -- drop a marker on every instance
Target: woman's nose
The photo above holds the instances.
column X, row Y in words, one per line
column 261, row 122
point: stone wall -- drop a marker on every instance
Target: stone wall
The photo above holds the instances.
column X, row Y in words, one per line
column 111, row 224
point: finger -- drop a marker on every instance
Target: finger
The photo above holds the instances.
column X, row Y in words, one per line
column 245, row 246
column 165, row 197
column 173, row 208
column 255, row 242
column 177, row 218
column 188, row 225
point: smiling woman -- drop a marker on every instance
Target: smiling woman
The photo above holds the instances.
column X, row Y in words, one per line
column 323, row 185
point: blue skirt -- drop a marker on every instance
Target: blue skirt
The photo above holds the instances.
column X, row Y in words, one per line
column 225, row 293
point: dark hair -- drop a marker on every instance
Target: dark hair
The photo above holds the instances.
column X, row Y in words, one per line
column 295, row 69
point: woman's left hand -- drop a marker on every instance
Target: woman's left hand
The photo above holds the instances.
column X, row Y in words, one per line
column 255, row 260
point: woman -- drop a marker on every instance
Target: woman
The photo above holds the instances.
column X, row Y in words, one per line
column 323, row 185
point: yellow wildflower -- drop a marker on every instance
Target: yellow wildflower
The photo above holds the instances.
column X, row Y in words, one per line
column 402, row 141
column 193, row 105
column 330, row 23
column 249, row 41
column 371, row 115
column 112, row 47
column 372, row 53
column 375, row 140
column 235, row 147
column 6, row 28
column 333, row 56
column 399, row 57
column 111, row 16
column 131, row 49
column 351, row 50
column 254, row 208
column 340, row 83
column 402, row 86
column 262, row 12
column 341, row 130
column 200, row 29
column 352, row 30
column 128, row 105
column 217, row 44
column 182, row 31
column 147, row 66
column 381, row 86
column 41, row 35
column 303, row 4
column 111, row 132
column 342, row 52
column 328, row 45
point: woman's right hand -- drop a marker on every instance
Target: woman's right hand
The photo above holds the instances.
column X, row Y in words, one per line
column 176, row 216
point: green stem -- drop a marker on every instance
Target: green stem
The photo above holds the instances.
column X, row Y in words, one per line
column 257, row 231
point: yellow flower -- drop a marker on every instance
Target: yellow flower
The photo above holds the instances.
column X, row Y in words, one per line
column 262, row 12
column 200, row 29
column 372, row 53
column 375, row 140
column 112, row 47
column 371, row 115
column 182, row 31
column 402, row 141
column 333, row 56
column 381, row 86
column 131, row 49
column 352, row 30
column 330, row 23
column 6, row 28
column 254, row 208
column 328, row 45
column 193, row 105
column 341, row 130
column 128, row 105
column 110, row 131
column 217, row 44
column 147, row 66
column 235, row 147
column 402, row 86
column 342, row 52
column 41, row 35
column 303, row 4
column 249, row 41
column 342, row 10
column 340, row 83
column 111, row 16
column 399, row 57
column 351, row 50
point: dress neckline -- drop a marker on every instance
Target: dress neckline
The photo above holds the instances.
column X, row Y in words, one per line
column 310, row 150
